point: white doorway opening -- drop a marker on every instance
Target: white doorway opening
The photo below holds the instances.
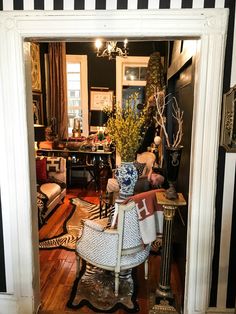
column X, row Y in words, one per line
column 16, row 128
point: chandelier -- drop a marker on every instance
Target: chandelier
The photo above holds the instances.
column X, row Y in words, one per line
column 112, row 50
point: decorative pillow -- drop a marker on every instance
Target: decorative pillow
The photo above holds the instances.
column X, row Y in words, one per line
column 53, row 164
column 140, row 167
column 41, row 170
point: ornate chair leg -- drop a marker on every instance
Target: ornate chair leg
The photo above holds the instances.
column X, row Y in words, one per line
column 146, row 269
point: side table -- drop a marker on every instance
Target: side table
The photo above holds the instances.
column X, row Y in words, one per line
column 164, row 294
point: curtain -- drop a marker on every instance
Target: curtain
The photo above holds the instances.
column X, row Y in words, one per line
column 57, row 98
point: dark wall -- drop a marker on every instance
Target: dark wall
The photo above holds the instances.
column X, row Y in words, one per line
column 101, row 71
column 182, row 87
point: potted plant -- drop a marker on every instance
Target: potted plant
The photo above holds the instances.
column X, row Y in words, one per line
column 124, row 126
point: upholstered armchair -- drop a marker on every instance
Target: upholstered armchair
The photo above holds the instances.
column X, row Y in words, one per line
column 144, row 164
column 114, row 249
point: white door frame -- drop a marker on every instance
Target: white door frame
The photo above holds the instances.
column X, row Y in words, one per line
column 16, row 130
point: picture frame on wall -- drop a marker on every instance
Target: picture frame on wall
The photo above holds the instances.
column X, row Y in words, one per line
column 228, row 127
column 37, row 108
column 35, row 67
column 99, row 100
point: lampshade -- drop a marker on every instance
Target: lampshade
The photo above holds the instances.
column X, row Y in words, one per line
column 39, row 133
column 98, row 118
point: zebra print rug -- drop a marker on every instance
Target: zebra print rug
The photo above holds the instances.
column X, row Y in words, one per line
column 94, row 288
column 82, row 209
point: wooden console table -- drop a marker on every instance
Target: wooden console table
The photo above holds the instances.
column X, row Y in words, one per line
column 91, row 161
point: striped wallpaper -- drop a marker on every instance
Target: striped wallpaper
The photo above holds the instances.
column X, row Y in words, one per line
column 225, row 256
column 109, row 4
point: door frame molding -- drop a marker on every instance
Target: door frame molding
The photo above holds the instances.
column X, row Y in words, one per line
column 18, row 180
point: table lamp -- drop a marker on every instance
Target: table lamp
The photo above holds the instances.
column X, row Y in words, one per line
column 98, row 118
column 39, row 134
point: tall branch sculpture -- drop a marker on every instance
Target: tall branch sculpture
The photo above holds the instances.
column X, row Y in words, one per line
column 159, row 99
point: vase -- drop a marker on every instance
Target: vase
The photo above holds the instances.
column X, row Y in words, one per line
column 173, row 157
column 127, row 176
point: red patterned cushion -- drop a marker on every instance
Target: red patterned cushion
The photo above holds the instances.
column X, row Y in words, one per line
column 41, row 170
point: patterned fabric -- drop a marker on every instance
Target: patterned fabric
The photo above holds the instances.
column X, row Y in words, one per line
column 101, row 248
column 140, row 167
column 42, row 206
column 111, row 215
column 95, row 241
column 73, row 225
column 150, row 214
column 53, row 164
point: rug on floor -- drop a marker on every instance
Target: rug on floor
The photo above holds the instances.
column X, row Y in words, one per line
column 94, row 288
column 72, row 226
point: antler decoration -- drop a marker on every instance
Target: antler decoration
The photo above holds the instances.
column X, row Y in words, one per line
column 160, row 102
column 178, row 116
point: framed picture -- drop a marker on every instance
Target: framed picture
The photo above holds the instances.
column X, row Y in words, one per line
column 228, row 127
column 38, row 108
column 35, row 67
column 99, row 100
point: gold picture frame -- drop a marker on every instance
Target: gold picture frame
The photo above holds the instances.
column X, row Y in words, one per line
column 228, row 127
column 37, row 108
column 99, row 100
column 35, row 67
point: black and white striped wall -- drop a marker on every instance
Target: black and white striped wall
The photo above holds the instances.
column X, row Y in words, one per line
column 110, row 4
column 224, row 270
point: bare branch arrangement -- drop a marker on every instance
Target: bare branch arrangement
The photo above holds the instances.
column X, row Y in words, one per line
column 159, row 99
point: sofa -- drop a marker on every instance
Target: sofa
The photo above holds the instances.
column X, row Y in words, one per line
column 51, row 185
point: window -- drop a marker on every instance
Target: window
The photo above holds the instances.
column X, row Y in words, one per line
column 134, row 74
column 130, row 78
column 77, row 92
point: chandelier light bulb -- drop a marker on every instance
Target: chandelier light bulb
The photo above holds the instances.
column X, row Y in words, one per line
column 109, row 47
column 98, row 44
column 112, row 50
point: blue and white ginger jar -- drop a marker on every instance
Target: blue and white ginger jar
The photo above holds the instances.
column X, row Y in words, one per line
column 127, row 176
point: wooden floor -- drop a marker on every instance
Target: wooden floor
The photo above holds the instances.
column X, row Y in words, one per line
column 58, row 267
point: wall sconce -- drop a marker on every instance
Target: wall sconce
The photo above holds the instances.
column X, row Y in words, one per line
column 112, row 50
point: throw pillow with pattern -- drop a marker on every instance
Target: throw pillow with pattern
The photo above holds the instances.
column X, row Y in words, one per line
column 140, row 168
